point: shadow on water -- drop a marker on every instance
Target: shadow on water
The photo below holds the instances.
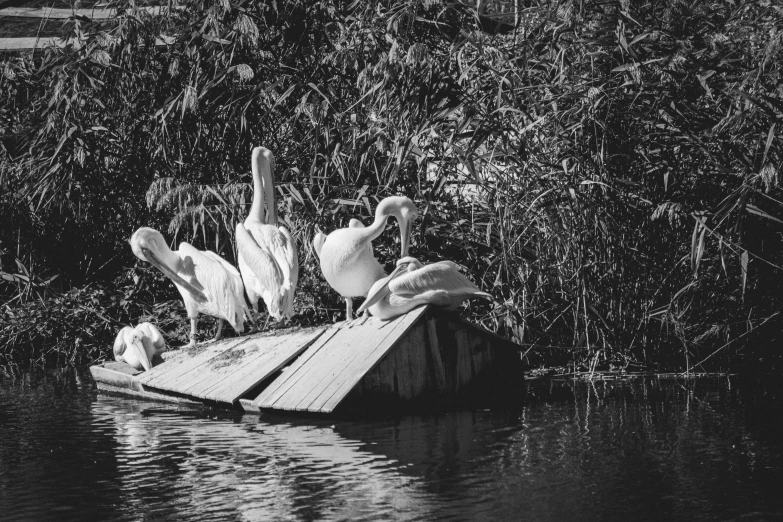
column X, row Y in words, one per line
column 644, row 449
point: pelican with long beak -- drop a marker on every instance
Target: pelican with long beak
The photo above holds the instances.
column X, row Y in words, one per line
column 138, row 346
column 207, row 283
column 413, row 284
column 346, row 257
column 268, row 260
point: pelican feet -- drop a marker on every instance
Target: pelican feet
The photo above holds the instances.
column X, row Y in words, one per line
column 358, row 321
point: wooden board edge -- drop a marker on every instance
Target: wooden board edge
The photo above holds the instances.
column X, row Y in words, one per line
column 148, row 396
column 247, row 405
column 114, row 378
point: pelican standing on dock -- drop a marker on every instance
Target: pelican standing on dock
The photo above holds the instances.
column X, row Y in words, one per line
column 207, row 283
column 138, row 346
column 347, row 261
column 413, row 284
column 268, row 258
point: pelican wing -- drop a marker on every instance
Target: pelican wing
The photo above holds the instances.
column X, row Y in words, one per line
column 277, row 244
column 292, row 259
column 154, row 336
column 221, row 281
column 120, row 343
column 263, row 266
column 318, row 243
column 443, row 276
column 355, row 223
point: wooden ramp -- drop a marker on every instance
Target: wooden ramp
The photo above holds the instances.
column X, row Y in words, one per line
column 425, row 354
column 321, row 378
column 225, row 371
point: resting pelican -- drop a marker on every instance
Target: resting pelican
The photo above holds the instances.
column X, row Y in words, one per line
column 137, row 346
column 346, row 255
column 268, row 259
column 207, row 283
column 413, row 284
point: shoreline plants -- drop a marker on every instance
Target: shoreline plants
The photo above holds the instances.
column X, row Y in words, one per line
column 607, row 170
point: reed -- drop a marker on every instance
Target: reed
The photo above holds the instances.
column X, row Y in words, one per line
column 608, row 171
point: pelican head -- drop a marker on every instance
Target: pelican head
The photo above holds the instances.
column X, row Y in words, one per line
column 148, row 245
column 404, row 210
column 381, row 288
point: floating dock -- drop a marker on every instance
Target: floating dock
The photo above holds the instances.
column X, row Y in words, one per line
column 423, row 355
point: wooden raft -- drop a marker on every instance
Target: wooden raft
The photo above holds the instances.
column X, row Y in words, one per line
column 423, row 354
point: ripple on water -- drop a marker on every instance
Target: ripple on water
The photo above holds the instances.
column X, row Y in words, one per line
column 644, row 449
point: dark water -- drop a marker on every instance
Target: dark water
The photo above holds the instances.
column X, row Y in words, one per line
column 642, row 450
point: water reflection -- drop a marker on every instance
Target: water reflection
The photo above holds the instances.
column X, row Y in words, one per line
column 646, row 449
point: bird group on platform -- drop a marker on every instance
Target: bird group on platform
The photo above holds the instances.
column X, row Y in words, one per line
column 269, row 268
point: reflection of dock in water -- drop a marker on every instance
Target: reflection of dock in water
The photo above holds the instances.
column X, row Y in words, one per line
column 266, row 468
column 425, row 355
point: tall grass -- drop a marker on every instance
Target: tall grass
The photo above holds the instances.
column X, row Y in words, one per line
column 607, row 170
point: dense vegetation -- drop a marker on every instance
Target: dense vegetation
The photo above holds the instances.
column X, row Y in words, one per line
column 607, row 170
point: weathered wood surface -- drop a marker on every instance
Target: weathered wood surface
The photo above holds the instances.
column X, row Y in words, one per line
column 117, row 377
column 34, row 42
column 95, row 13
column 443, row 356
column 321, row 378
column 425, row 354
column 224, row 371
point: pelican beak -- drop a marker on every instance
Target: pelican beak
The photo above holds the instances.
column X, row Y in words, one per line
column 197, row 294
column 405, row 237
column 381, row 291
column 141, row 353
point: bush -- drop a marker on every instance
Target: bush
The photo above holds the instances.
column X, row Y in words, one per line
column 608, row 172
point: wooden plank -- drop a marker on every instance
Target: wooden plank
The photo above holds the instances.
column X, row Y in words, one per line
column 350, row 348
column 207, row 368
column 149, row 396
column 121, row 367
column 359, row 366
column 269, row 364
column 331, row 362
column 29, row 43
column 354, row 373
column 229, row 383
column 434, row 352
column 121, row 380
column 95, row 13
column 247, row 405
column 331, row 368
column 281, row 385
column 180, row 362
column 176, row 379
column 34, row 42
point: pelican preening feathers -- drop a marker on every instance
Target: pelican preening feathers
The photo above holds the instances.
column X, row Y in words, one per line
column 413, row 284
column 268, row 260
column 207, row 283
column 269, row 266
column 138, row 346
column 346, row 257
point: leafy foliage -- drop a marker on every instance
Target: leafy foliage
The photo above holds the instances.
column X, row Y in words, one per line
column 607, row 170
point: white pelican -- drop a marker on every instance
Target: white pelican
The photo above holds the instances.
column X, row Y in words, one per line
column 137, row 346
column 267, row 257
column 320, row 237
column 413, row 284
column 347, row 261
column 207, row 283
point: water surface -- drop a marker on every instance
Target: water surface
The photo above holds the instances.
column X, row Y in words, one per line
column 706, row 449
